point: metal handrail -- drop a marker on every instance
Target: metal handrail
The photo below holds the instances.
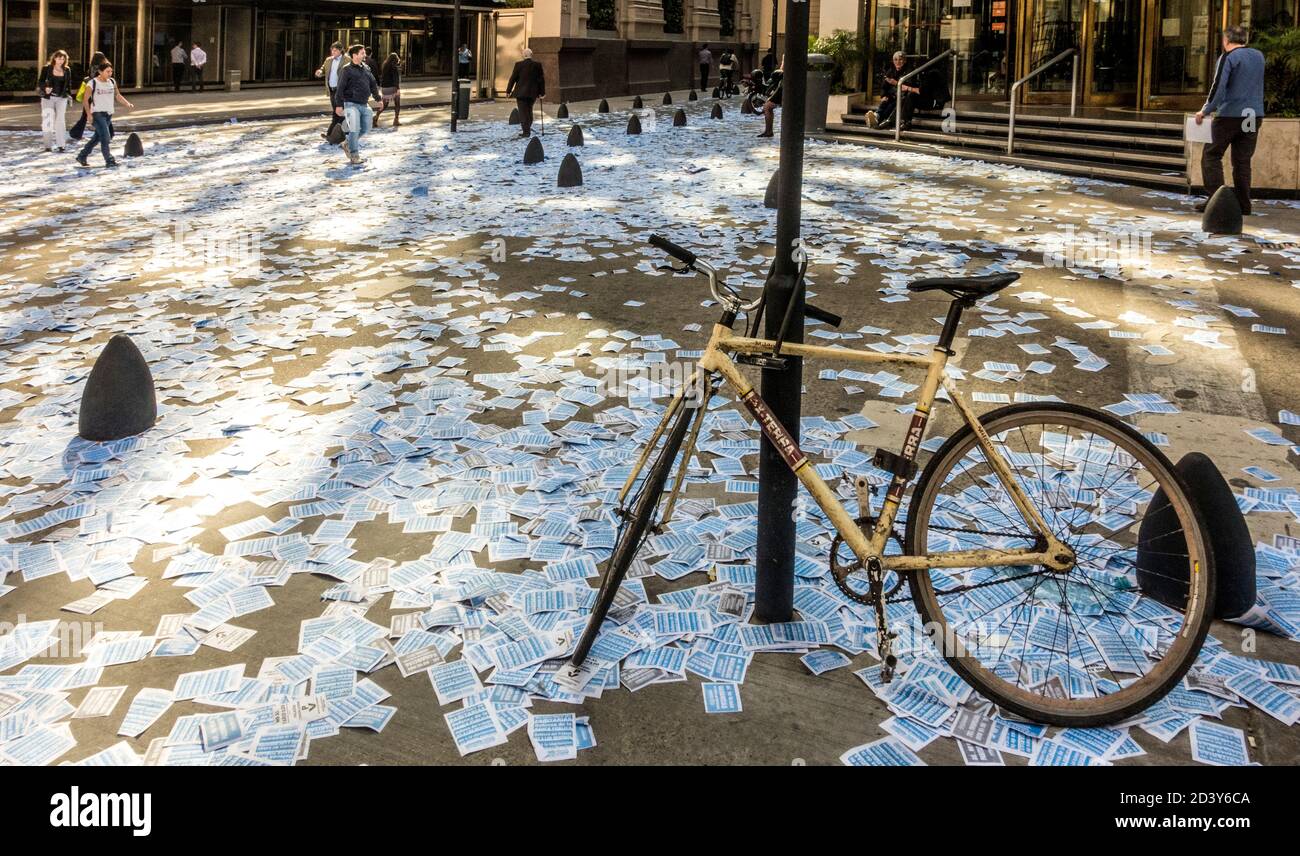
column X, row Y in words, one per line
column 898, row 90
column 1074, row 90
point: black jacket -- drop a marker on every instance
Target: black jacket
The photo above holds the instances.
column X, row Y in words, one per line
column 528, row 80
column 58, row 85
column 356, row 85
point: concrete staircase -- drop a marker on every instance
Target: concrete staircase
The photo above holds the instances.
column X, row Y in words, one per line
column 1145, row 153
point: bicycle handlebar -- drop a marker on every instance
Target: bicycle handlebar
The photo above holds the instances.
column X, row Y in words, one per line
column 686, row 257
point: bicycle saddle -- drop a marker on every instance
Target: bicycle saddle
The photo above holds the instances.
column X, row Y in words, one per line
column 970, row 287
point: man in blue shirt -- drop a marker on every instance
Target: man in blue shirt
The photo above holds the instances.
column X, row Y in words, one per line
column 1236, row 101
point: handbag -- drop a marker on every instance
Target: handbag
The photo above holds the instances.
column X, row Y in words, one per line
column 336, row 134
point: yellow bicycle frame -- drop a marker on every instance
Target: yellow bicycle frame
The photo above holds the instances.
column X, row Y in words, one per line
column 716, row 360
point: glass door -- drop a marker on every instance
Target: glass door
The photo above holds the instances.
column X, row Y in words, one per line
column 978, row 31
column 1113, row 56
column 1108, row 36
column 1184, row 38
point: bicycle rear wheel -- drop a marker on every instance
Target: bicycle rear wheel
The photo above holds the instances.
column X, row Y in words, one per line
column 632, row 534
column 1082, row 647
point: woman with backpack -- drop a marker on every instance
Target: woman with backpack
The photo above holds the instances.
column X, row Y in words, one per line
column 79, row 127
column 101, row 97
column 54, row 86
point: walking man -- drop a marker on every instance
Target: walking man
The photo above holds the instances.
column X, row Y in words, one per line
column 329, row 72
column 357, row 88
column 101, row 96
column 706, row 62
column 198, row 59
column 178, row 66
column 1237, row 103
column 527, row 83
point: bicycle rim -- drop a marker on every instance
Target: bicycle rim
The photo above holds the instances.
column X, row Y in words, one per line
column 1085, row 647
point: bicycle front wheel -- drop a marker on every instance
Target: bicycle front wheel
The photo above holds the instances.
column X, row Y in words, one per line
column 1091, row 645
column 644, row 506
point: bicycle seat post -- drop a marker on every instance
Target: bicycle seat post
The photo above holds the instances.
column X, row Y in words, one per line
column 952, row 322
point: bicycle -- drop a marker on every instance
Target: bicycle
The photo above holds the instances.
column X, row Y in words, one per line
column 1042, row 534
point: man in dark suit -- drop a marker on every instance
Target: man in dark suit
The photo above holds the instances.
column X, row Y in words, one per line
column 527, row 84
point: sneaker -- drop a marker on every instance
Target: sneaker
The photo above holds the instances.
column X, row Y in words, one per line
column 110, row 163
column 82, row 163
column 347, row 151
column 49, row 149
column 872, row 120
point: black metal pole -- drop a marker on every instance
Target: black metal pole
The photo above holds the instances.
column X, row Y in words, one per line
column 455, row 66
column 781, row 389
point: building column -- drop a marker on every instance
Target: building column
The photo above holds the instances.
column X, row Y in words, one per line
column 94, row 29
column 641, row 19
column 703, row 23
column 42, row 32
column 142, row 41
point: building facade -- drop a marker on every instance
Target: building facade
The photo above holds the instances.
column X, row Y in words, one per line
column 1137, row 54
column 264, row 40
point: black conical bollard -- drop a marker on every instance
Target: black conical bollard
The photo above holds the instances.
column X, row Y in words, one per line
column 604, row 106
column 668, row 98
column 693, row 96
column 717, row 93
column 514, row 116
column 1162, row 571
column 637, row 103
column 563, row 111
column 570, row 172
column 533, row 152
column 746, row 108
column 118, row 400
column 679, row 118
column 1222, row 213
column 769, row 198
column 716, row 112
column 133, row 148
column 633, row 124
column 575, row 136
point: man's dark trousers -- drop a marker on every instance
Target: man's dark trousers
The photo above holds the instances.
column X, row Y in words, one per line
column 1230, row 133
column 525, row 115
column 178, row 75
column 335, row 118
column 704, row 75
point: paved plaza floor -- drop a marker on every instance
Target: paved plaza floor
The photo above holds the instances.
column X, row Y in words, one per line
column 370, row 417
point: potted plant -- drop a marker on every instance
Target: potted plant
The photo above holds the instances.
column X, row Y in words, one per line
column 848, row 51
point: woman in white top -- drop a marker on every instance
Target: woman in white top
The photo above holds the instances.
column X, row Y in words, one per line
column 101, row 96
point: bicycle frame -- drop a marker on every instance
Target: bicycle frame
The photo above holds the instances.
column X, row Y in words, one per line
column 716, row 360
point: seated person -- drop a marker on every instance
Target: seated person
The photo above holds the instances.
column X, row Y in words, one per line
column 889, row 109
column 773, row 100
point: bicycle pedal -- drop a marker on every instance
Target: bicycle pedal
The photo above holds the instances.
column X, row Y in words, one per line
column 762, row 361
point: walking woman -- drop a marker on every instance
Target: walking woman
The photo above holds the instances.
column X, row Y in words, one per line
column 390, row 87
column 79, row 127
column 54, row 89
column 101, row 96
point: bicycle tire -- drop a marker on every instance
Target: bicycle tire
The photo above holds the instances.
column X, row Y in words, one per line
column 1083, row 712
column 629, row 543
